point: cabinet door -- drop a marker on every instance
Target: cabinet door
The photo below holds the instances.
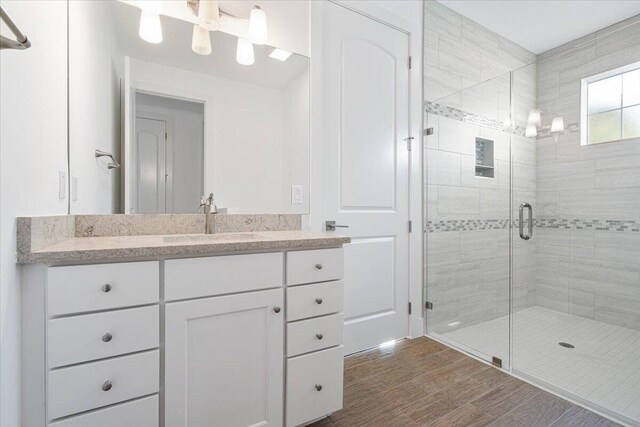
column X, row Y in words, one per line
column 224, row 361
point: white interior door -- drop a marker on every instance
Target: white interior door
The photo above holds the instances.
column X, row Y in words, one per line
column 150, row 166
column 366, row 110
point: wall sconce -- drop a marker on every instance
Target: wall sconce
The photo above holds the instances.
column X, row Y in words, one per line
column 150, row 29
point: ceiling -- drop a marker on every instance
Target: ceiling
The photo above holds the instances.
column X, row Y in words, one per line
column 542, row 25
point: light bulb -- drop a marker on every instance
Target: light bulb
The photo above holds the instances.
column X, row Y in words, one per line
column 150, row 27
column 530, row 131
column 200, row 41
column 557, row 124
column 244, row 54
column 534, row 118
column 257, row 26
column 209, row 15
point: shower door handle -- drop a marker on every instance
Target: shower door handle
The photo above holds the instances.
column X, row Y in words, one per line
column 521, row 222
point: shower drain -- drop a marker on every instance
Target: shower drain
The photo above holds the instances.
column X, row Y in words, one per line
column 567, row 345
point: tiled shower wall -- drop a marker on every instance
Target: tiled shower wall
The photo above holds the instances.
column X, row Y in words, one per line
column 588, row 197
column 467, row 94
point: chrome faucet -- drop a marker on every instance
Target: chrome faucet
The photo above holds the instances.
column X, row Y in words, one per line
column 209, row 209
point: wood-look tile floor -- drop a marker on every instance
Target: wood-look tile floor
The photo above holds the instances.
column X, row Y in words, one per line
column 421, row 382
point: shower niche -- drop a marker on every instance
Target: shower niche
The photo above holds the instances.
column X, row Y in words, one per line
column 484, row 158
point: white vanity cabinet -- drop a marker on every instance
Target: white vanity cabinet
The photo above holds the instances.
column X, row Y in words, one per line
column 227, row 340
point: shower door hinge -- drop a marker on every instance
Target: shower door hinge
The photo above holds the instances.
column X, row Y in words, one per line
column 428, row 305
column 410, row 226
column 409, row 139
column 409, row 62
column 409, row 307
column 496, row 361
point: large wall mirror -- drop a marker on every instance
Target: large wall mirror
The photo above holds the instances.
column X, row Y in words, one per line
column 182, row 124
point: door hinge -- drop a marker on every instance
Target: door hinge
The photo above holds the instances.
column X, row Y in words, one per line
column 410, row 226
column 409, row 62
column 428, row 131
column 409, row 307
column 165, row 136
column 428, row 305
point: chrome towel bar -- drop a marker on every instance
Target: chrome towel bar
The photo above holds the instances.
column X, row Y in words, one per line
column 21, row 41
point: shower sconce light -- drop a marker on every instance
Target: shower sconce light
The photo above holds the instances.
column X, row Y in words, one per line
column 557, row 124
column 534, row 118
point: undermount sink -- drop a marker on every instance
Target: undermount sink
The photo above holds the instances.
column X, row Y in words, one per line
column 211, row 237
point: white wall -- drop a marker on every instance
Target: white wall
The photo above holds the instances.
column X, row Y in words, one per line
column 95, row 69
column 243, row 134
column 33, row 148
column 296, row 149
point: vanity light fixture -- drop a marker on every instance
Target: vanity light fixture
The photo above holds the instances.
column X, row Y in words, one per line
column 201, row 40
column 150, row 28
column 557, row 124
column 257, row 26
column 279, row 54
column 209, row 15
column 244, row 52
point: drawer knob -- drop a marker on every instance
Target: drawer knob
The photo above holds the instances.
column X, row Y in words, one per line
column 319, row 266
column 106, row 288
column 318, row 387
column 276, row 309
column 319, row 300
column 106, row 386
column 107, row 337
column 319, row 336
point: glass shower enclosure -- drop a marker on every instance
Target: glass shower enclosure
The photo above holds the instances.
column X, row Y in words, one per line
column 532, row 223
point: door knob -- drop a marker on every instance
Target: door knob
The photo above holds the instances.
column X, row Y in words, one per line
column 106, row 288
column 276, row 309
column 107, row 337
column 318, row 387
column 331, row 226
column 106, row 386
column 318, row 300
column 319, row 336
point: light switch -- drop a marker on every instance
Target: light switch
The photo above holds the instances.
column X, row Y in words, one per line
column 62, row 185
column 296, row 194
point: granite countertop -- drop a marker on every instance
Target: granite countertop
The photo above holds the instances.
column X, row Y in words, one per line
column 109, row 248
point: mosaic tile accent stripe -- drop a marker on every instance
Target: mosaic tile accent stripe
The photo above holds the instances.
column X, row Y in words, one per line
column 589, row 224
column 477, row 119
column 464, row 116
column 441, row 226
column 466, row 225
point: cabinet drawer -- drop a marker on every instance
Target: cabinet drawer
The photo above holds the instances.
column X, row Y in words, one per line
column 314, row 300
column 81, row 288
column 314, row 266
column 95, row 336
column 200, row 277
column 314, row 385
column 139, row 413
column 314, row 334
column 80, row 388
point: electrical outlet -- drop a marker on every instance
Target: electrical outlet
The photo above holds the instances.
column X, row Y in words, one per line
column 296, row 194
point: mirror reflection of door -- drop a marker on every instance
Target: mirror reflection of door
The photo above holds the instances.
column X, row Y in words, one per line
column 168, row 155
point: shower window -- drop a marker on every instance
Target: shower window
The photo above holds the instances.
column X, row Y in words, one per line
column 611, row 105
